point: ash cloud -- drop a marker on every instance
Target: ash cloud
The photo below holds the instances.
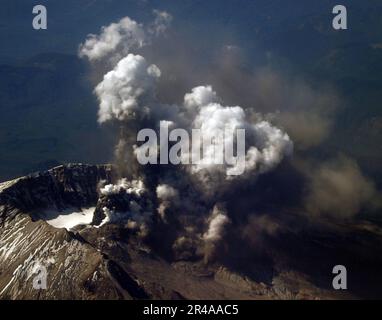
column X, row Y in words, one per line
column 281, row 114
column 217, row 224
column 339, row 190
column 307, row 114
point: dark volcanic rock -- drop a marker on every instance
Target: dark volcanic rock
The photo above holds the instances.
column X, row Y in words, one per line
column 72, row 185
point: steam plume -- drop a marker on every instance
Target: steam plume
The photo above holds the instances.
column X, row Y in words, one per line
column 186, row 194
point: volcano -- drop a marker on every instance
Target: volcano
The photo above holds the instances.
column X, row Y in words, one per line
column 57, row 218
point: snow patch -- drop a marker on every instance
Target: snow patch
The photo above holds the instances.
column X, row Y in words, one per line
column 68, row 218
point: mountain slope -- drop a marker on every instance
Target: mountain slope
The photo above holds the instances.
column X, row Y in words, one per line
column 107, row 262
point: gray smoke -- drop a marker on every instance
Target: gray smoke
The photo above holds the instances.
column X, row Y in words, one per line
column 127, row 97
column 339, row 190
column 189, row 197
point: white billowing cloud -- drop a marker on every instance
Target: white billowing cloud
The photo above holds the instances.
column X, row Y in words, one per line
column 131, row 187
column 274, row 145
column 125, row 91
column 213, row 119
column 118, row 37
column 199, row 96
column 265, row 144
column 217, row 223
